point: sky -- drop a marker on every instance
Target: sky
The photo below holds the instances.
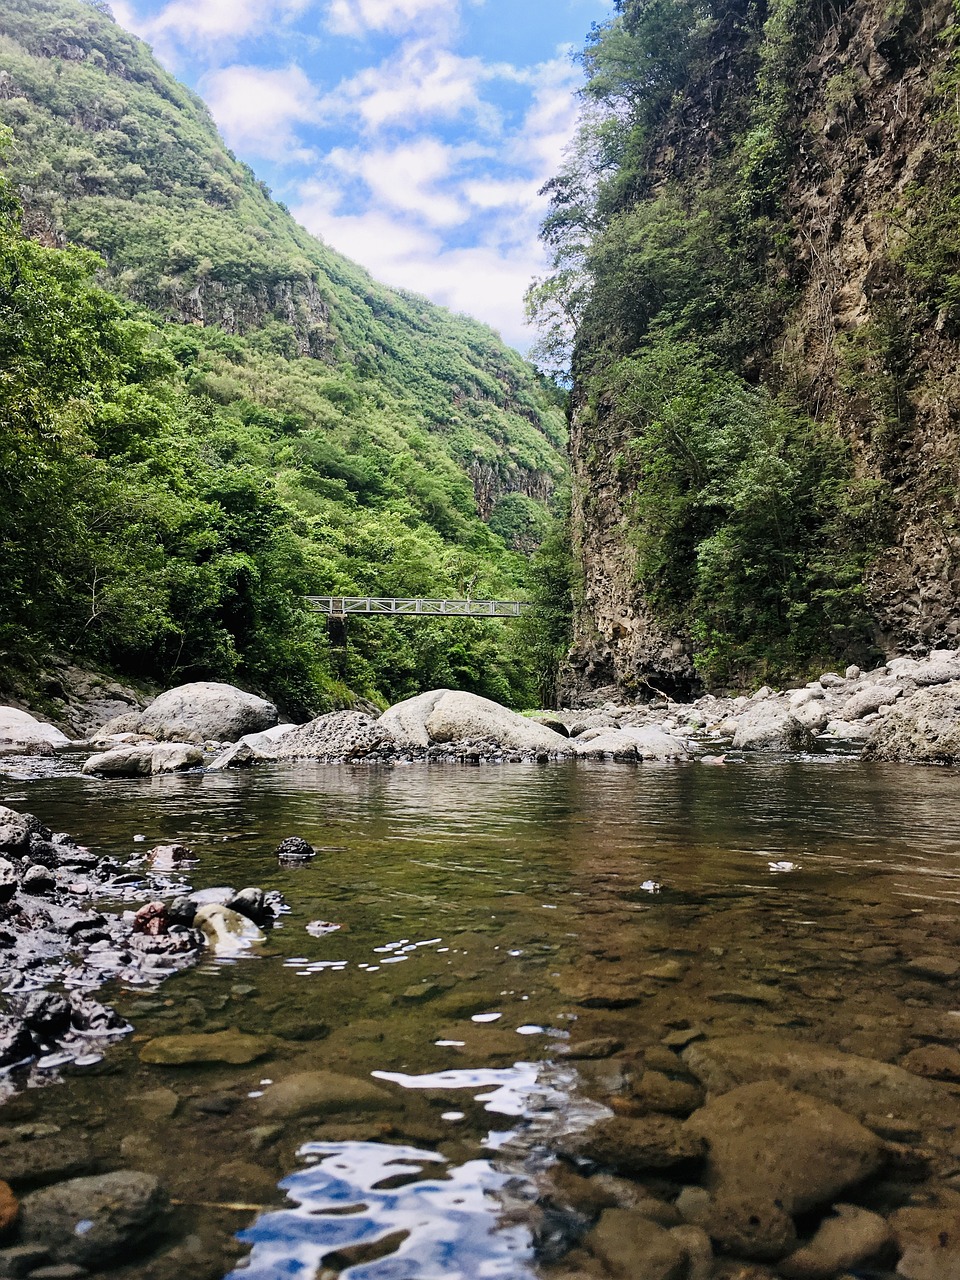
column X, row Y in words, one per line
column 412, row 135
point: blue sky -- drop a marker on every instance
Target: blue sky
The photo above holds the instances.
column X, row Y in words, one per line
column 412, row 135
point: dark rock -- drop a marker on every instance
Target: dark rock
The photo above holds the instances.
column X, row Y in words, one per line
column 87, row 1014
column 44, row 852
column 123, row 1209
column 46, row 1013
column 634, row 1146
column 182, row 911
column 8, row 880
column 295, row 849
column 170, row 857
column 16, row 1042
column 251, row 903
column 40, row 1161
column 21, row 1260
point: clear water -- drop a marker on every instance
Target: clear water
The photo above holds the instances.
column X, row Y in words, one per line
column 489, row 919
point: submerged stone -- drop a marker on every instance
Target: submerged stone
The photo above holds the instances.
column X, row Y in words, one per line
column 322, row 1093
column 119, row 1213
column 235, row 1048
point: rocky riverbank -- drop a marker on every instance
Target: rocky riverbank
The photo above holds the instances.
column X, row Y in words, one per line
column 907, row 710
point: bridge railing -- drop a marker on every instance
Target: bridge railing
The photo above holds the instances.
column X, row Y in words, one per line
column 416, row 607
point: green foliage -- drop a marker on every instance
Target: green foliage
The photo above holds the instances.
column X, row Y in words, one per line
column 232, row 416
column 545, row 634
column 752, row 533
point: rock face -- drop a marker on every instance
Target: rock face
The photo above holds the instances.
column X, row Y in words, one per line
column 201, row 712
column 144, row 760
column 443, row 716
column 19, row 729
column 924, row 728
column 118, row 1213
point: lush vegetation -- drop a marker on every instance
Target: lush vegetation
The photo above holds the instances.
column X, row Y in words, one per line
column 206, row 414
column 673, row 273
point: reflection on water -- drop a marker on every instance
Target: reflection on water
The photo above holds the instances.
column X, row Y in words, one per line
column 488, row 923
column 440, row 1227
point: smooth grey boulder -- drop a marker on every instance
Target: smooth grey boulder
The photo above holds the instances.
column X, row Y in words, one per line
column 116, row 1213
column 924, row 728
column 772, row 726
column 20, row 729
column 443, row 716
column 200, row 712
column 648, row 743
column 868, row 701
column 251, row 748
column 145, row 760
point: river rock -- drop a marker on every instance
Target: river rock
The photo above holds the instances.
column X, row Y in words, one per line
column 200, row 712
column 753, row 1226
column 860, row 1086
column 347, row 735
column 226, row 931
column 923, row 728
column 252, row 748
column 634, row 1146
column 934, row 1062
column 631, row 1246
column 315, row 1093
column 771, row 1145
column 119, row 1213
column 144, row 760
column 17, row 830
column 868, row 701
column 20, row 729
column 295, row 849
column 646, row 743
column 251, row 903
column 236, row 1048
column 599, row 744
column 443, row 716
column 929, row 1243
column 842, row 1243
column 771, row 726
column 8, row 880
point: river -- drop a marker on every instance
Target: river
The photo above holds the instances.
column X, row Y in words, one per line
column 491, row 921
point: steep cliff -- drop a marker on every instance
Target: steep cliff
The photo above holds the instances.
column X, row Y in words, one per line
column 760, row 237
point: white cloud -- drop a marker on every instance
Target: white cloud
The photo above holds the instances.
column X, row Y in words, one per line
column 424, row 80
column 206, row 20
column 408, row 178
column 487, row 280
column 256, row 109
column 355, row 17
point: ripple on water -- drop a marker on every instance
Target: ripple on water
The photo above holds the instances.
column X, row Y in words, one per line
column 442, row 1222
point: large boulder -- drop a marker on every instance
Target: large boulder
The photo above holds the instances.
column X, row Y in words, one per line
column 145, row 760
column 444, row 716
column 95, row 1222
column 348, row 735
column 648, row 743
column 860, row 1086
column 769, row 1144
column 772, row 726
column 868, row 701
column 924, row 728
column 20, row 729
column 201, row 712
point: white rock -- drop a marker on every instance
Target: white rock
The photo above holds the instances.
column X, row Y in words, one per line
column 869, row 701
column 198, row 712
column 768, row 727
column 226, row 931
column 22, row 729
column 853, row 673
column 145, row 760
column 443, row 716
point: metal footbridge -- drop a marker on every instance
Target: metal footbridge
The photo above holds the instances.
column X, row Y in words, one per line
column 391, row 607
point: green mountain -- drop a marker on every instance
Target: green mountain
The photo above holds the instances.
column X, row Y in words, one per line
column 209, row 412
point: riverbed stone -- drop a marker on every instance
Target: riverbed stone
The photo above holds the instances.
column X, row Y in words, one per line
column 771, row 1145
column 929, row 1243
column 772, row 726
column 119, row 1213
column 22, row 1260
column 145, row 760
column 751, row 1226
column 934, row 1062
column 940, row 968
column 8, row 880
column 633, row 1146
column 16, row 830
column 321, row 1093
column 852, row 1237
column 860, row 1086
column 631, row 1246
column 236, row 1048
column 347, row 735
